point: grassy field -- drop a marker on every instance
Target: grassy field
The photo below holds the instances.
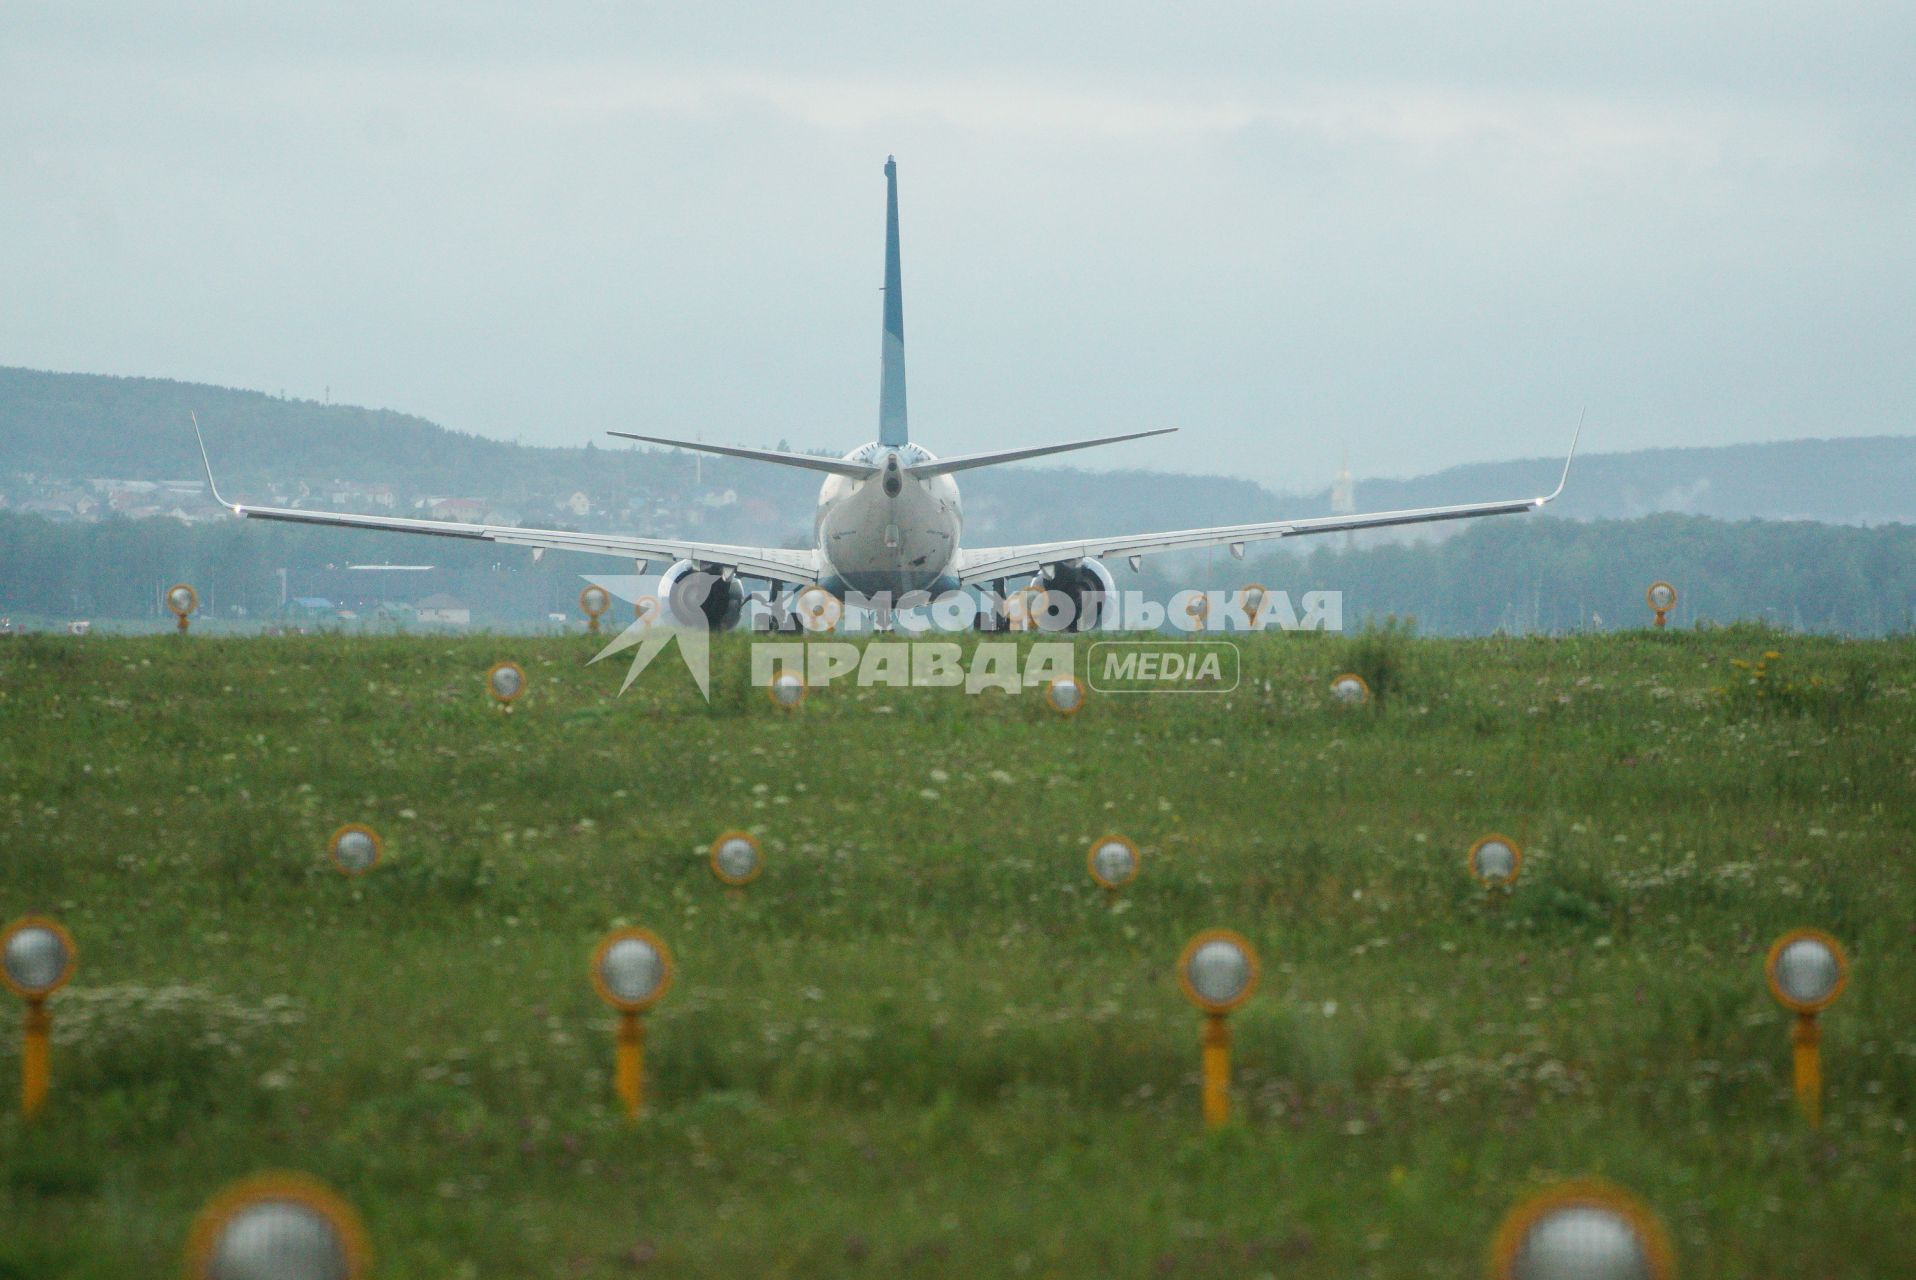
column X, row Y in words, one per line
column 923, row 1044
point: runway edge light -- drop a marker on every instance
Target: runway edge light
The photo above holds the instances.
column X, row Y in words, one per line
column 37, row 958
column 1065, row 695
column 1806, row 970
column 277, row 1226
column 631, row 970
column 1217, row 972
column 355, row 849
column 594, row 600
column 1495, row 861
column 737, row 859
column 1581, row 1230
column 181, row 600
column 1662, row 598
column 1350, row 689
column 1113, row 862
column 787, row 689
column 505, row 682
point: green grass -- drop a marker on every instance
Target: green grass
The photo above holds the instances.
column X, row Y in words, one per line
column 923, row 1044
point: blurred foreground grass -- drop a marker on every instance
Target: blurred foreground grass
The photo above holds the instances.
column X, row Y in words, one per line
column 923, row 1044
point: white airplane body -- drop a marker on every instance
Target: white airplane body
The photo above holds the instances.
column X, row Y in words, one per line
column 889, row 519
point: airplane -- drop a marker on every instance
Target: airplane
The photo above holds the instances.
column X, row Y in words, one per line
column 888, row 518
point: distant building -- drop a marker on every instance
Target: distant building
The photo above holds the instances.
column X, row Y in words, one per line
column 310, row 608
column 443, row 610
column 578, row 504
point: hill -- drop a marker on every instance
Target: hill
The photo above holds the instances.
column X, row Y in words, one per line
column 63, row 428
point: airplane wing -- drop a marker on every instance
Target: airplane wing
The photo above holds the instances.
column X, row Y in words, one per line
column 776, row 563
column 988, row 563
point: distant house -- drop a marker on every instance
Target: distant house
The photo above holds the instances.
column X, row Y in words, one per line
column 443, row 610
column 310, row 608
column 578, row 504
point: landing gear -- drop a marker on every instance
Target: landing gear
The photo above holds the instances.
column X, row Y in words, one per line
column 991, row 615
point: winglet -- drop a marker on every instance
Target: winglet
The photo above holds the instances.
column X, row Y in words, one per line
column 207, row 462
column 1571, row 457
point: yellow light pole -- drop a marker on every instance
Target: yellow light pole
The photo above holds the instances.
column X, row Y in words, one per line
column 180, row 601
column 1807, row 970
column 1198, row 610
column 594, row 600
column 1582, row 1230
column 1350, row 689
column 277, row 1226
column 631, row 970
column 1113, row 862
column 1217, row 972
column 36, row 959
column 355, row 849
column 505, row 683
column 1495, row 861
column 1662, row 598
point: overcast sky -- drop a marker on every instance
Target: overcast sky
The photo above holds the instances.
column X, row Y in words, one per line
column 1408, row 234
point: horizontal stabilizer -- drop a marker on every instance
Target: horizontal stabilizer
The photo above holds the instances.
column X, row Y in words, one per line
column 967, row 461
column 811, row 462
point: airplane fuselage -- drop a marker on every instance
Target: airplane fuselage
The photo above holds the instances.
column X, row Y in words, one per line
column 892, row 531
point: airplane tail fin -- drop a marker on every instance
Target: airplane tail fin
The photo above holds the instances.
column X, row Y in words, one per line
column 892, row 430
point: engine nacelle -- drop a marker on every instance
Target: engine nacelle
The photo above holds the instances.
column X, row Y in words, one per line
column 1080, row 591
column 696, row 596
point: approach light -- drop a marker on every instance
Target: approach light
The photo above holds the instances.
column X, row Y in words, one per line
column 36, row 959
column 594, row 600
column 631, row 970
column 180, row 601
column 355, row 849
column 1807, row 970
column 1252, row 599
column 1065, row 695
column 1113, row 861
column 277, row 1226
column 1495, row 861
column 787, row 689
column 1586, row 1230
column 1350, row 689
column 1662, row 597
column 737, row 858
column 818, row 610
column 1217, row 972
column 505, row 681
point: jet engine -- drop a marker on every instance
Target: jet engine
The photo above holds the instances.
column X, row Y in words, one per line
column 1089, row 588
column 693, row 594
